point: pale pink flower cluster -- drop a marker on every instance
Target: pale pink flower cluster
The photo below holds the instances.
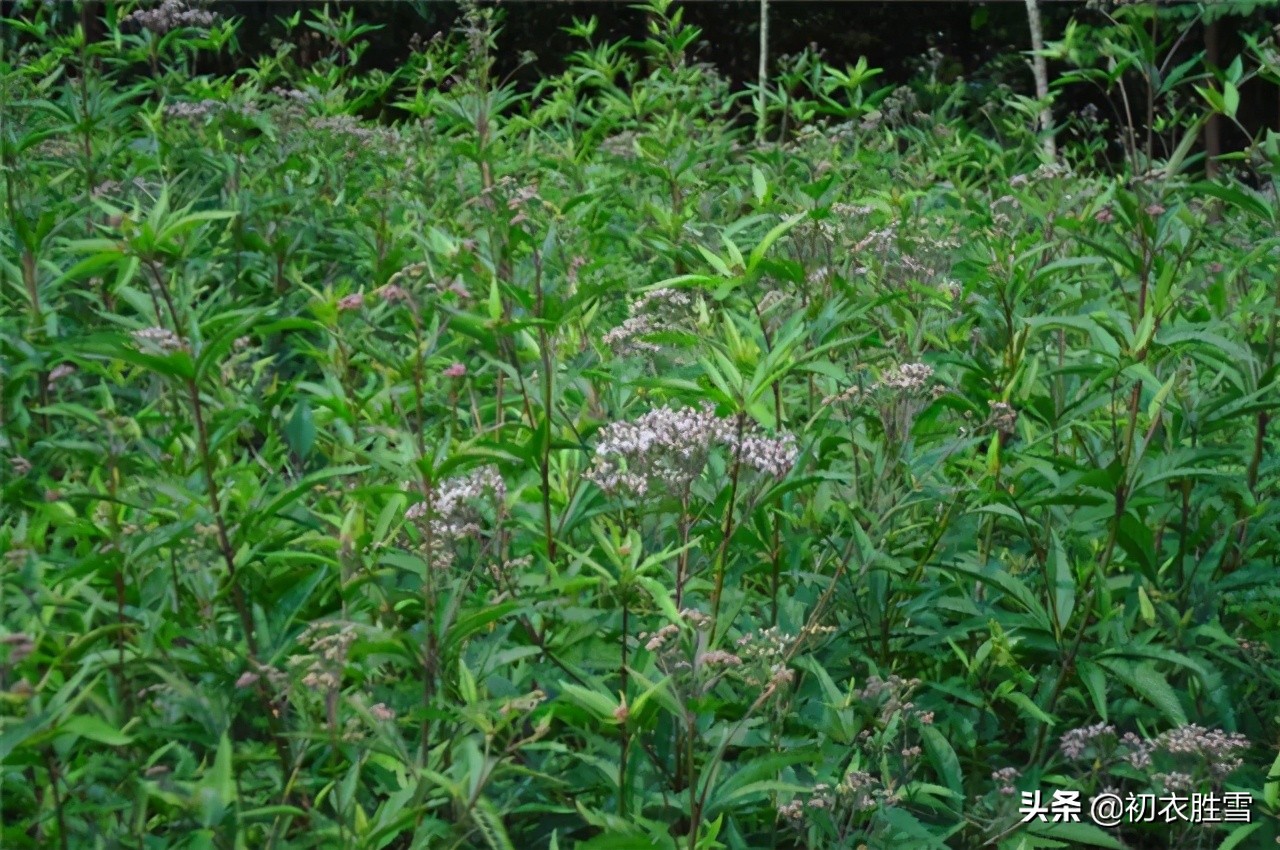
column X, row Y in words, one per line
column 654, row 311
column 907, row 377
column 169, row 15
column 669, row 447
column 664, row 447
column 326, row 656
column 452, row 509
column 161, row 338
column 1005, row 777
column 354, row 301
column 345, row 125
column 191, row 110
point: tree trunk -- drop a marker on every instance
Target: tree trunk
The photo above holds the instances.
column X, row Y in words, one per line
column 1040, row 69
column 763, row 72
column 1212, row 127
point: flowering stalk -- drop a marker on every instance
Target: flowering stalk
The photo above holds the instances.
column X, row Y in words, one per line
column 220, row 529
column 727, row 530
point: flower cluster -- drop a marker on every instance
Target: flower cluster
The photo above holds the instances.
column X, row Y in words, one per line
column 354, row 301
column 326, row 655
column 665, row 447
column 169, row 15
column 906, row 378
column 1005, row 777
column 857, row 793
column 1003, row 417
column 293, row 95
column 1084, row 742
column 669, row 447
column 452, row 510
column 1192, row 753
column 193, row 110
column 349, row 128
column 770, row 455
column 654, row 311
column 162, row 338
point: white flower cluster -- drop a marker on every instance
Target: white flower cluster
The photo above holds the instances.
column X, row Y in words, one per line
column 770, row 455
column 169, row 15
column 669, row 447
column 349, row 127
column 451, row 510
column 907, row 378
column 161, row 338
column 665, row 446
column 193, row 110
column 654, row 311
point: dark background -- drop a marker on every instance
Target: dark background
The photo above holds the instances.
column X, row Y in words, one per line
column 980, row 41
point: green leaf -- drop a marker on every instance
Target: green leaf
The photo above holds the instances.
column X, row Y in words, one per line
column 300, row 431
column 1086, row 834
column 1149, row 684
column 774, row 234
column 759, row 185
column 94, row 729
column 1271, row 790
column 1237, row 837
column 943, row 758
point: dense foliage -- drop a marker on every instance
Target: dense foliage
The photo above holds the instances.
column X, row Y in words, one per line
column 574, row 468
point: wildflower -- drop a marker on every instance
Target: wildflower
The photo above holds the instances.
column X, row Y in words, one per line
column 1104, row 216
column 168, row 16
column 457, row 370
column 621, row 713
column 669, row 447
column 658, row 640
column 20, row 465
column 720, row 658
column 1006, row 777
column 666, row 447
column 351, row 302
column 1214, row 747
column 1003, row 417
column 382, row 713
column 162, row 338
column 861, row 789
column 349, row 128
column 907, row 378
column 293, row 95
column 695, row 618
column 191, row 111
column 793, row 811
column 246, row 679
column 451, row 507
column 60, row 371
column 771, row 456
column 392, row 294
column 1076, row 743
column 654, row 311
